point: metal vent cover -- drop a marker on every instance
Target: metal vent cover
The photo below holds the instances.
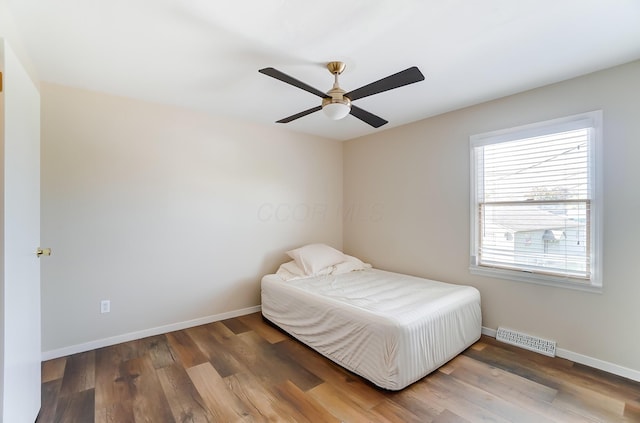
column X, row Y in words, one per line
column 528, row 342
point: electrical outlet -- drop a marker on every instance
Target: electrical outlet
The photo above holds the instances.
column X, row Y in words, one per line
column 105, row 306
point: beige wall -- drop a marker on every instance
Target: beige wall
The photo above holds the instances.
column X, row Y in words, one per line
column 413, row 184
column 172, row 215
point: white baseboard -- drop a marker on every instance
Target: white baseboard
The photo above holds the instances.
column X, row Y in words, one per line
column 99, row 343
column 489, row 332
column 586, row 360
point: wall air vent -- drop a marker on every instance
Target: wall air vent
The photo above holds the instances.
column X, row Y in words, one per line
column 529, row 342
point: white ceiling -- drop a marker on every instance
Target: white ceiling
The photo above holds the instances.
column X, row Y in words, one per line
column 205, row 54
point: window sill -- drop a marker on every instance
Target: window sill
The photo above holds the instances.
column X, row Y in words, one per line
column 517, row 276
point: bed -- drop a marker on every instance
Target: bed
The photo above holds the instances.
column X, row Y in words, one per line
column 389, row 328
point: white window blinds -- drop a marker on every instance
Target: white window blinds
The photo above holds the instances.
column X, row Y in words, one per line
column 533, row 201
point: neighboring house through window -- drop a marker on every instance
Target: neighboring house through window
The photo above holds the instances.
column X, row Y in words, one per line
column 536, row 202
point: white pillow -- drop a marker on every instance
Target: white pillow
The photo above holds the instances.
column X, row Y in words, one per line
column 290, row 270
column 350, row 264
column 313, row 258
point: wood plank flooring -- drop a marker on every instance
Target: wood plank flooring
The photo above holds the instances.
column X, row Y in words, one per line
column 245, row 370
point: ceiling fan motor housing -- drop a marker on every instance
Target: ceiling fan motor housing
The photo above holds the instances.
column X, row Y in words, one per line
column 336, row 96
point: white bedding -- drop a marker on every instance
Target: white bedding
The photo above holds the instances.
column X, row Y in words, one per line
column 389, row 328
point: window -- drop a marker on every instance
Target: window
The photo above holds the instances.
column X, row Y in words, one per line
column 535, row 203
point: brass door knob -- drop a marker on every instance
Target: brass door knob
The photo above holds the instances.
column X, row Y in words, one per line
column 43, row 252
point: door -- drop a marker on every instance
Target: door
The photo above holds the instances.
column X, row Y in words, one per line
column 21, row 348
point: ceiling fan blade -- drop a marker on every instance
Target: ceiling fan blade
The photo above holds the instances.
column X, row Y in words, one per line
column 367, row 117
column 400, row 79
column 299, row 115
column 274, row 73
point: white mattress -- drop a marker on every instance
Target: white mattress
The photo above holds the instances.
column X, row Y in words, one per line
column 389, row 328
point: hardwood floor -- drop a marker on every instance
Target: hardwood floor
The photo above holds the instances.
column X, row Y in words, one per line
column 245, row 370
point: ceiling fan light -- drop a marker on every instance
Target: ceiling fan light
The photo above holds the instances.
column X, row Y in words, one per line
column 336, row 110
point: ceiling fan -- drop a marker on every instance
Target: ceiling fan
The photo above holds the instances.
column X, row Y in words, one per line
column 336, row 103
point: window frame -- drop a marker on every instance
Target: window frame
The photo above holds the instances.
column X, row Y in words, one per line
column 591, row 120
